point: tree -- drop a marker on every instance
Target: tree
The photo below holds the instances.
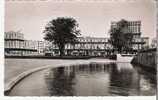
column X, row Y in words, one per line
column 61, row 31
column 120, row 36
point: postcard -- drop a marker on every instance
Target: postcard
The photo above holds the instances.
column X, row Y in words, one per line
column 80, row 48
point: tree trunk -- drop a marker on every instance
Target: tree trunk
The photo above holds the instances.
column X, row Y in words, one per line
column 119, row 50
column 61, row 50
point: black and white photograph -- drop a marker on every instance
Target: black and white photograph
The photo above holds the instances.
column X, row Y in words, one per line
column 77, row 48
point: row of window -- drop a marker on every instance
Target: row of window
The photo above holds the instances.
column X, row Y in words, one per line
column 135, row 23
column 146, row 40
column 19, row 53
column 130, row 23
column 14, row 35
column 134, row 29
column 20, row 44
column 88, row 46
column 14, row 44
column 92, row 39
column 136, row 46
column 94, row 46
column 32, row 45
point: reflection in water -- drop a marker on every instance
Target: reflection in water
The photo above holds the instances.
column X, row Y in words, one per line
column 123, row 80
column 100, row 80
column 60, row 82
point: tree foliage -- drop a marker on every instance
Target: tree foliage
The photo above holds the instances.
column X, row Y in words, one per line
column 61, row 31
column 121, row 37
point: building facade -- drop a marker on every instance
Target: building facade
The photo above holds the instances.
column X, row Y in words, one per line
column 84, row 46
column 16, row 45
column 134, row 27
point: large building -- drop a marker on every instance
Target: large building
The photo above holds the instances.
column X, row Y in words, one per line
column 15, row 44
column 86, row 46
column 134, row 27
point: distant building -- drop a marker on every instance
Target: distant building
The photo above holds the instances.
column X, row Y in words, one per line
column 134, row 27
column 15, row 44
column 92, row 46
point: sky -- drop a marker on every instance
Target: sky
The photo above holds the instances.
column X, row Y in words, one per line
column 93, row 18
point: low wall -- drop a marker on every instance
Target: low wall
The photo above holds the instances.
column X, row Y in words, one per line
column 146, row 58
column 49, row 57
column 64, row 57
